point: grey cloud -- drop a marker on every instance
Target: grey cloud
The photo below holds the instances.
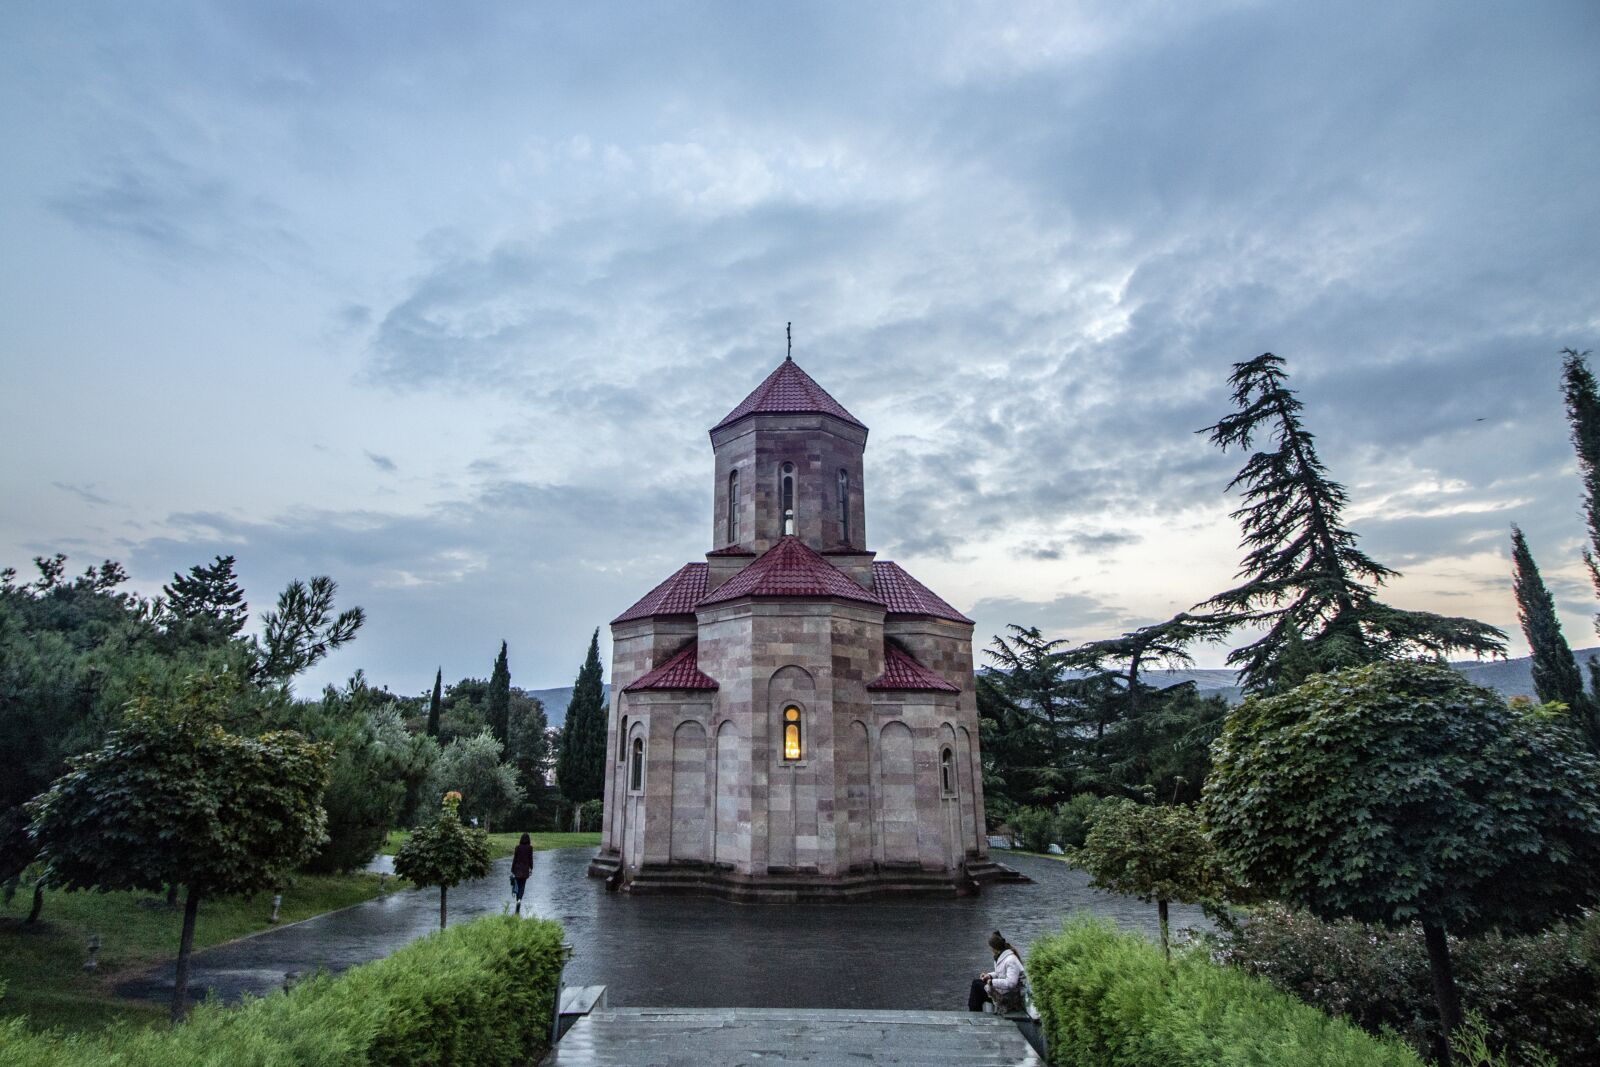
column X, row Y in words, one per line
column 85, row 493
column 1072, row 615
column 383, row 463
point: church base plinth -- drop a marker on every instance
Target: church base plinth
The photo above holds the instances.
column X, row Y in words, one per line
column 789, row 886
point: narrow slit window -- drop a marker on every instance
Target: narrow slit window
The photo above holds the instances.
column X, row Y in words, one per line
column 791, row 733
column 947, row 775
column 733, row 507
column 786, row 497
column 622, row 739
column 844, row 506
column 636, row 774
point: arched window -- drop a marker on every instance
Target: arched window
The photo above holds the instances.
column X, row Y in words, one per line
column 733, row 507
column 636, row 773
column 844, row 505
column 786, row 497
column 622, row 739
column 947, row 770
column 792, row 749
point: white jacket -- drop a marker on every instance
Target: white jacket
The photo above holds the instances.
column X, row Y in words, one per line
column 1007, row 972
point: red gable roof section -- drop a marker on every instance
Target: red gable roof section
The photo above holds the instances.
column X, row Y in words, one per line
column 675, row 596
column 789, row 390
column 904, row 595
column 900, row 671
column 682, row 671
column 790, row 568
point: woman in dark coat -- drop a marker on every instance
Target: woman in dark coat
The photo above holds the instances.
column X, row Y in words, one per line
column 521, row 867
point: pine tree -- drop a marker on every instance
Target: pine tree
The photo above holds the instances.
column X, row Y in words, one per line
column 1583, row 412
column 436, row 705
column 500, row 698
column 1304, row 574
column 206, row 606
column 580, row 766
column 1555, row 672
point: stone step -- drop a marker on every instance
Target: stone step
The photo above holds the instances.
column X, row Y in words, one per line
column 784, row 1037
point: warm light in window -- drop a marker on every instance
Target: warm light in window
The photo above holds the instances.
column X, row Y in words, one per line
column 791, row 733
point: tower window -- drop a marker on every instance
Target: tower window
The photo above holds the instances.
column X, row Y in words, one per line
column 786, row 497
column 636, row 773
column 733, row 507
column 947, row 776
column 844, row 506
column 791, row 733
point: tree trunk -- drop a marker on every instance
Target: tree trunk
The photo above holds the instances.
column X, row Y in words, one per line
column 442, row 892
column 180, row 987
column 486, row 823
column 172, row 895
column 1445, row 997
column 1166, row 946
column 38, row 902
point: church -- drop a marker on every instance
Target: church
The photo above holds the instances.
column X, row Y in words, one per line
column 792, row 718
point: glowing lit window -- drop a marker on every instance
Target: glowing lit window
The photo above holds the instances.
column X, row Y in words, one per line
column 636, row 778
column 791, row 732
column 947, row 776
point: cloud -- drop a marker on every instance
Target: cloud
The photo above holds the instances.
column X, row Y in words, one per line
column 383, row 463
column 85, row 493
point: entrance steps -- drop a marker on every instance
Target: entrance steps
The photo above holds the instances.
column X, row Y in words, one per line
column 785, row 1037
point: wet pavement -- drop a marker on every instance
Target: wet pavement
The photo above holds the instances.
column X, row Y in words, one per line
column 698, row 952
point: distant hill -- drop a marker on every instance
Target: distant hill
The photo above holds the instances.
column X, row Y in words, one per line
column 555, row 701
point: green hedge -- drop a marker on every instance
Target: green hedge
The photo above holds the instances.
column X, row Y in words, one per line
column 1109, row 1000
column 480, row 993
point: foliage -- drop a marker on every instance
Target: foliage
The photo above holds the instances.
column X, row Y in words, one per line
column 529, row 752
column 1108, row 1000
column 471, row 766
column 436, row 703
column 302, row 629
column 1034, row 828
column 480, row 994
column 580, row 763
column 204, row 608
column 1399, row 792
column 499, row 698
column 1306, row 580
column 1158, row 853
column 503, row 843
column 1555, row 671
column 1026, row 707
column 1074, row 818
column 1530, row 992
column 1583, row 414
column 590, row 814
column 444, row 852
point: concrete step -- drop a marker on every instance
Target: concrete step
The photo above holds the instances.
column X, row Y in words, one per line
column 781, row 1037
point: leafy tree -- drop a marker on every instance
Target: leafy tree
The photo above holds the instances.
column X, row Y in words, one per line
column 1304, row 576
column 472, row 768
column 206, row 607
column 499, row 697
column 444, row 853
column 1399, row 792
column 1583, row 413
column 1154, row 852
column 171, row 797
column 436, row 704
column 580, row 764
column 1555, row 671
column 529, row 752
column 1027, row 708
column 302, row 629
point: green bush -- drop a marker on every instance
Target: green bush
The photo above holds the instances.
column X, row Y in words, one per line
column 1109, row 1000
column 1539, row 991
column 481, row 993
column 1033, row 828
column 1074, row 817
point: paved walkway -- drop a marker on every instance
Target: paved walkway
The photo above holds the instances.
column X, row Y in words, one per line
column 777, row 1037
column 695, row 952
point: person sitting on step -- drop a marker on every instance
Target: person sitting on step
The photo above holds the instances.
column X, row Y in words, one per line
column 1003, row 985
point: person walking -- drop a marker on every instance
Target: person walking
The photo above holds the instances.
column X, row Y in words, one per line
column 521, row 867
column 1003, row 985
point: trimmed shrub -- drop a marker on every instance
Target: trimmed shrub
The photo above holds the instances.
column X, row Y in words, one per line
column 1109, row 1000
column 481, row 994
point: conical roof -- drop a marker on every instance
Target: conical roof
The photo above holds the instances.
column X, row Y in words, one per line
column 789, row 391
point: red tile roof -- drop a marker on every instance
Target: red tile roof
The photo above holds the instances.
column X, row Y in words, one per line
column 900, row 671
column 675, row 596
column 789, row 390
column 790, row 568
column 682, row 671
column 904, row 595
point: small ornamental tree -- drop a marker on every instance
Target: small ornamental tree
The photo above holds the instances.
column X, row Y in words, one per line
column 444, row 852
column 1399, row 792
column 1158, row 853
column 172, row 797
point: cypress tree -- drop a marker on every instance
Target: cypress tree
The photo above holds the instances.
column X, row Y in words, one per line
column 580, row 767
column 436, row 705
column 1303, row 573
column 499, row 710
column 1555, row 672
column 1583, row 412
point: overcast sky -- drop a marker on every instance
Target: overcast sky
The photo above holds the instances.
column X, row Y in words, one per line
column 441, row 299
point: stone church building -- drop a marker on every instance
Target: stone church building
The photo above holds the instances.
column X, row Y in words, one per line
column 792, row 718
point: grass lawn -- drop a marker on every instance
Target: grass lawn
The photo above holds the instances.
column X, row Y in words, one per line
column 502, row 844
column 41, row 965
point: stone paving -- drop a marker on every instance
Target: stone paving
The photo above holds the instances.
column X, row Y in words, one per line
column 694, row 952
column 778, row 1037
